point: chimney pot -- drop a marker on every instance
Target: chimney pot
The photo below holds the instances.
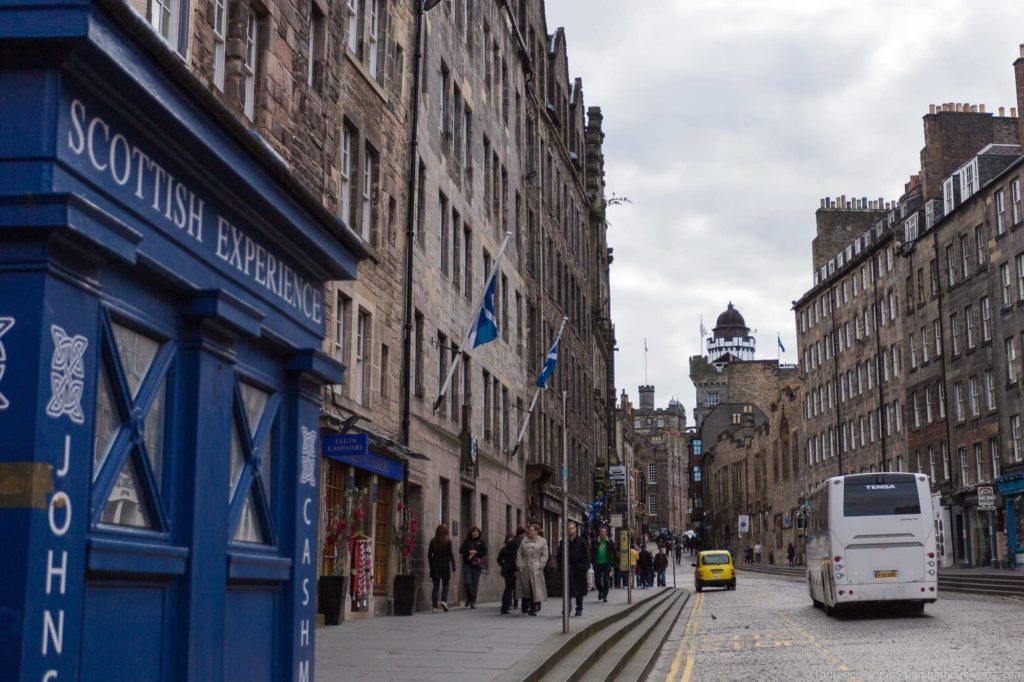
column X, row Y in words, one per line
column 1002, row 111
column 1022, row 50
column 1013, row 112
column 931, row 108
column 981, row 108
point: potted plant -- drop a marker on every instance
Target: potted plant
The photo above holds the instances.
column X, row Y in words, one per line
column 343, row 524
column 405, row 582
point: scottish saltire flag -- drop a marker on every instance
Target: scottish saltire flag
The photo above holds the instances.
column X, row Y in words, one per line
column 549, row 366
column 485, row 327
column 781, row 347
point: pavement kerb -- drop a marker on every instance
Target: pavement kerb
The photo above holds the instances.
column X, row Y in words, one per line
column 984, row 584
column 548, row 653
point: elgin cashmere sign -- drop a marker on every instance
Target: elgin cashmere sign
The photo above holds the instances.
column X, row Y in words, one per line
column 160, row 196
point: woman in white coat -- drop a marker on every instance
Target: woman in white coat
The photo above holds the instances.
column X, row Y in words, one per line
column 531, row 559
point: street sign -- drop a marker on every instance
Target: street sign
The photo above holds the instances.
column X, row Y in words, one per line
column 616, row 520
column 744, row 523
column 617, row 474
column 986, row 498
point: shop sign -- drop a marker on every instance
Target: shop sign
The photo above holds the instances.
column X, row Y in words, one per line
column 617, row 474
column 552, row 505
column 616, row 520
column 986, row 498
column 107, row 151
column 354, row 449
column 744, row 523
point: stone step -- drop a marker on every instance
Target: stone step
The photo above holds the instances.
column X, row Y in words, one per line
column 634, row 656
column 577, row 663
column 548, row 654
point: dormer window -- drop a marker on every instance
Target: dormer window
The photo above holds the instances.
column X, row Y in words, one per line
column 910, row 228
column 969, row 179
column 948, row 198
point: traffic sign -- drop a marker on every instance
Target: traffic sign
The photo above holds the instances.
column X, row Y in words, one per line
column 986, row 498
column 616, row 520
column 617, row 474
column 744, row 523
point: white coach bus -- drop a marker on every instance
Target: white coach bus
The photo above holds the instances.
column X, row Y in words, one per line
column 871, row 538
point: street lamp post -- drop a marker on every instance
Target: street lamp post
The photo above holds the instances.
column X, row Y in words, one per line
column 565, row 519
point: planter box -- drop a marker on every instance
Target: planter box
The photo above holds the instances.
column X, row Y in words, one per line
column 404, row 595
column 331, row 596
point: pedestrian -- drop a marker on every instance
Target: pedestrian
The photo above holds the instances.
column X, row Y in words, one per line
column 473, row 551
column 579, row 562
column 645, row 566
column 757, row 553
column 604, row 556
column 679, row 553
column 507, row 562
column 791, row 553
column 530, row 560
column 634, row 556
column 441, row 561
column 748, row 554
column 660, row 564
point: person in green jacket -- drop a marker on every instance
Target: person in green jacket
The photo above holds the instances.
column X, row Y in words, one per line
column 605, row 556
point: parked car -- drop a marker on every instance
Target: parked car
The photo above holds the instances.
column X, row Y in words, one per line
column 714, row 568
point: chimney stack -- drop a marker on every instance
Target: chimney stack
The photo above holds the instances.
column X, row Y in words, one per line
column 1018, row 71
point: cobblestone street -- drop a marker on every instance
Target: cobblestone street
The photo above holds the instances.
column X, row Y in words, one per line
column 768, row 630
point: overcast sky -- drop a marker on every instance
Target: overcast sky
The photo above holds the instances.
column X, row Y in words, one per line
column 727, row 121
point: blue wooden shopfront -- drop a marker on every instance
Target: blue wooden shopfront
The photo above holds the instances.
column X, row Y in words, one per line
column 161, row 315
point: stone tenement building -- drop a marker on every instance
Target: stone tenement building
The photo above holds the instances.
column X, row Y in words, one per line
column 944, row 267
column 636, row 452
column 850, row 342
column 667, row 473
column 735, row 398
column 504, row 145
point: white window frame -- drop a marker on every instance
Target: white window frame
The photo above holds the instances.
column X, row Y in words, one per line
column 374, row 35
column 220, row 42
column 990, row 390
column 367, row 196
column 361, row 358
column 652, row 505
column 250, row 65
column 347, row 142
column 1015, row 445
column 1015, row 200
column 165, row 17
column 979, row 463
column 986, row 319
column 354, row 8
column 1000, row 203
column 652, row 473
column 965, row 469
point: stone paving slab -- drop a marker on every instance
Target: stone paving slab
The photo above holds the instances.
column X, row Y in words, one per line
column 462, row 645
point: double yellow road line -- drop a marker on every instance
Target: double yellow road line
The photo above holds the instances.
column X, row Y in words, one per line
column 687, row 644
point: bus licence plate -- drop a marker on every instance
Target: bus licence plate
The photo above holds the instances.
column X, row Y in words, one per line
column 886, row 574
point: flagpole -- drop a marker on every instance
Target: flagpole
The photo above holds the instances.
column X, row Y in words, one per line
column 476, row 311
column 536, row 394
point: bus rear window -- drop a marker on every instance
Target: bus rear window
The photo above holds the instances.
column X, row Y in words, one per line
column 880, row 498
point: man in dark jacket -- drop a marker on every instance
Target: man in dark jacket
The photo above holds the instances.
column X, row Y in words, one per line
column 507, row 562
column 645, row 567
column 660, row 564
column 579, row 563
column 605, row 556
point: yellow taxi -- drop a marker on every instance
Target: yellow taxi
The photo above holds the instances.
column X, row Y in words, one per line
column 714, row 569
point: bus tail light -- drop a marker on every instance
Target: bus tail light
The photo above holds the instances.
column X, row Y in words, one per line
column 931, row 589
column 922, row 589
column 841, row 592
column 837, row 559
column 931, row 555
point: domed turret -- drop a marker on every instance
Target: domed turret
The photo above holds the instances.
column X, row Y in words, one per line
column 732, row 339
column 731, row 324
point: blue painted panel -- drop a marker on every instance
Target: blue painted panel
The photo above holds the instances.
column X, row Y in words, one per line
column 249, row 635
column 123, row 633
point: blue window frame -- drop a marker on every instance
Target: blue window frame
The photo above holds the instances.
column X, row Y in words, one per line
column 131, row 415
